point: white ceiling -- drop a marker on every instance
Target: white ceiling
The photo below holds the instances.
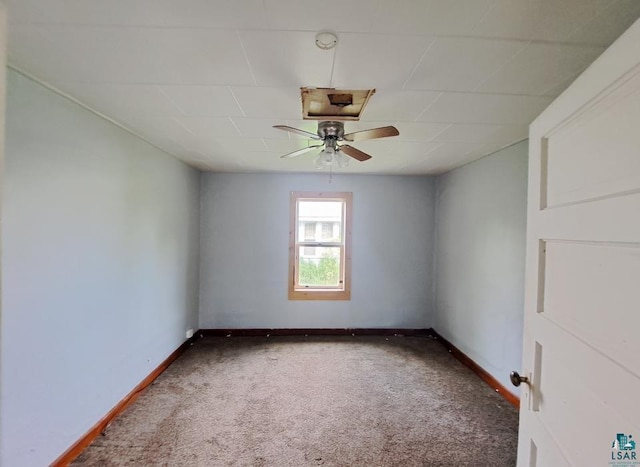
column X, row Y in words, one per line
column 205, row 80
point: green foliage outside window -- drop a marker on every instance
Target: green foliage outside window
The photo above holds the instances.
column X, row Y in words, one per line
column 324, row 272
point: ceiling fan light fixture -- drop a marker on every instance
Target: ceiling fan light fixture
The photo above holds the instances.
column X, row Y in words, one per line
column 326, row 158
column 342, row 160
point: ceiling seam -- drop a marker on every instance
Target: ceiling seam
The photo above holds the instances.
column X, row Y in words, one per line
column 490, row 8
column 251, row 86
column 236, row 126
column 246, row 57
column 426, row 155
column 503, row 66
column 308, row 31
column 161, row 91
column 183, row 126
column 424, row 54
column 233, row 94
column 450, row 125
column 428, row 106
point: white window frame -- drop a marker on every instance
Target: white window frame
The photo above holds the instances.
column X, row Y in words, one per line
column 302, row 292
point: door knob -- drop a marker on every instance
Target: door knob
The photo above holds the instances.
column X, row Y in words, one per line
column 516, row 379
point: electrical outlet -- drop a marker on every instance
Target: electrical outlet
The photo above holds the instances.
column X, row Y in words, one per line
column 189, row 333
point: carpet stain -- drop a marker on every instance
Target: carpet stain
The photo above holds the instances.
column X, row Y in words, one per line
column 305, row 401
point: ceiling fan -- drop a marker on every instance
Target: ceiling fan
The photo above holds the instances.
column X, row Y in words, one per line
column 331, row 133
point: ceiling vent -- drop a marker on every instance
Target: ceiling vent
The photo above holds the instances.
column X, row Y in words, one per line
column 334, row 104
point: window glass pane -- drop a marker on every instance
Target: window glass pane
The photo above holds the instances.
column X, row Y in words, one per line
column 322, row 268
column 320, row 221
column 309, row 230
column 327, row 231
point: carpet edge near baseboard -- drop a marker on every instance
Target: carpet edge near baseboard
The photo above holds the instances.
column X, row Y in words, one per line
column 81, row 444
column 483, row 374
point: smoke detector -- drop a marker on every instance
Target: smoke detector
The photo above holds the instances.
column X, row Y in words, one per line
column 326, row 40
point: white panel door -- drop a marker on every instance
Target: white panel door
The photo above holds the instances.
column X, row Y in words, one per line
column 581, row 404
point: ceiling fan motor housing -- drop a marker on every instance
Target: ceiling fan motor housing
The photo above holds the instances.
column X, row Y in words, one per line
column 331, row 130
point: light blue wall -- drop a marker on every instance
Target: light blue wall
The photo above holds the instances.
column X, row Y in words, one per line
column 245, row 241
column 100, row 269
column 480, row 255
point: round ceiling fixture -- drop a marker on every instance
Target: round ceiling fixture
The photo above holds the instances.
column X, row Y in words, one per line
column 326, row 40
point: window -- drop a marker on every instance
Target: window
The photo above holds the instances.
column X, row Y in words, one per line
column 319, row 246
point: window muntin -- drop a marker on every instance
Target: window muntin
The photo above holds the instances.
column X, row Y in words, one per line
column 319, row 258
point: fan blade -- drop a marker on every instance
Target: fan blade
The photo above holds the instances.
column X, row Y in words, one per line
column 381, row 132
column 290, row 129
column 300, row 151
column 357, row 154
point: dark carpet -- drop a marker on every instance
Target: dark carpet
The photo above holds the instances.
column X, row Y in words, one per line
column 306, row 401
